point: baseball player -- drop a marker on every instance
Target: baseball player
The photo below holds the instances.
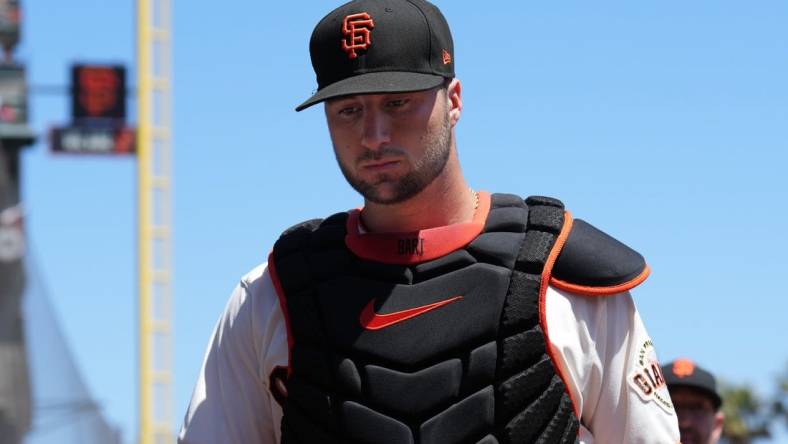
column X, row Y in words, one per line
column 437, row 313
column 696, row 400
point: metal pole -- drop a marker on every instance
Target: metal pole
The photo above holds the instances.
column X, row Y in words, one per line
column 154, row 190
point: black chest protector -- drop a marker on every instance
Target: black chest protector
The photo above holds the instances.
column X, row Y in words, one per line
column 450, row 350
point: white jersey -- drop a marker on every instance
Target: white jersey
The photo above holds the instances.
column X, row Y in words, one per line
column 602, row 350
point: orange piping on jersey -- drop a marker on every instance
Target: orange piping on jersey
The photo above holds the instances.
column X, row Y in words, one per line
column 548, row 268
column 280, row 293
column 601, row 291
column 418, row 246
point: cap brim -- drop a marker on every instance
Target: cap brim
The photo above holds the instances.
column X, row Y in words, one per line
column 375, row 83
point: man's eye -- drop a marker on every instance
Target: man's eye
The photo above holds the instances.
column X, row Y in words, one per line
column 397, row 103
column 348, row 111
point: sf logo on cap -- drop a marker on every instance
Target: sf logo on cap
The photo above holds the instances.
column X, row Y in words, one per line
column 683, row 368
column 357, row 29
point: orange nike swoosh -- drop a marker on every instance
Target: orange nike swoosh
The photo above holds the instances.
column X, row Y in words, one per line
column 373, row 321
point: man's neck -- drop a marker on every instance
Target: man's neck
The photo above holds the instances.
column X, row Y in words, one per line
column 447, row 200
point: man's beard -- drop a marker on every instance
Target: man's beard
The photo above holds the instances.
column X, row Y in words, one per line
column 425, row 170
column 690, row 435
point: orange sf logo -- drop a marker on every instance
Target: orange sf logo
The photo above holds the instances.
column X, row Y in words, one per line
column 357, row 29
column 97, row 90
column 683, row 368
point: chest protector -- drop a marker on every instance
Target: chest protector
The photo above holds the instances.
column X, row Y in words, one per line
column 453, row 349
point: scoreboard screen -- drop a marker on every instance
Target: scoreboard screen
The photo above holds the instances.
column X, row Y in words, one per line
column 13, row 94
column 86, row 140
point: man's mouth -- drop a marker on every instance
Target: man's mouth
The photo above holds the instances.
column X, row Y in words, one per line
column 380, row 165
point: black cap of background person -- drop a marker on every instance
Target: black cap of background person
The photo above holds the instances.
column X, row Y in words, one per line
column 685, row 373
column 380, row 46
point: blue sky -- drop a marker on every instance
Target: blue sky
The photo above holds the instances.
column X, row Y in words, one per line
column 662, row 123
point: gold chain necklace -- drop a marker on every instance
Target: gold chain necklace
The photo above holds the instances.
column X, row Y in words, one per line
column 475, row 199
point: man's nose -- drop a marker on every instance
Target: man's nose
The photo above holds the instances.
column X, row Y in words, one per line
column 375, row 130
column 685, row 421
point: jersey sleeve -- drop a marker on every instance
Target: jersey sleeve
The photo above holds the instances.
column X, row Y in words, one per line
column 608, row 361
column 231, row 402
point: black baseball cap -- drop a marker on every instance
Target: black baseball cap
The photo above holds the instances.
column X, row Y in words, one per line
column 380, row 46
column 686, row 373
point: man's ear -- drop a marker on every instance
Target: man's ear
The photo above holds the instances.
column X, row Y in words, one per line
column 719, row 421
column 454, row 100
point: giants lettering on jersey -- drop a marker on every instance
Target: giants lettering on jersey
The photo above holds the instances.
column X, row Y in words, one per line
column 647, row 378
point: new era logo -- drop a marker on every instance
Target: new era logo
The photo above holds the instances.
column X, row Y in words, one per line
column 446, row 57
column 357, row 29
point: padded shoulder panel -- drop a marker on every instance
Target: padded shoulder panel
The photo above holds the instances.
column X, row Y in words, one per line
column 313, row 224
column 308, row 225
column 591, row 258
column 302, row 234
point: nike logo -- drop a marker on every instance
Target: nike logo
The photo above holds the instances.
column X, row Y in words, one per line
column 373, row 321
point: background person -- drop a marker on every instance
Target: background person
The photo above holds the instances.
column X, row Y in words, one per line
column 696, row 401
